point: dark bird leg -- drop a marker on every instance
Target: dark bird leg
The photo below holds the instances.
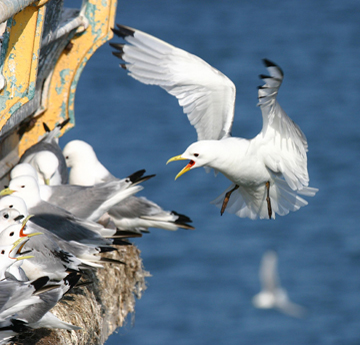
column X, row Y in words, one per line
column 226, row 199
column 267, row 184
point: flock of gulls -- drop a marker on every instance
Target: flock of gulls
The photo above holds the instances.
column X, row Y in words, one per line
column 62, row 208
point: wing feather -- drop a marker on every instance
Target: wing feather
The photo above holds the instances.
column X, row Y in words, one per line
column 286, row 144
column 206, row 95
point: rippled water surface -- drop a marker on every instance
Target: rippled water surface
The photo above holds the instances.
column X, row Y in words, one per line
column 203, row 281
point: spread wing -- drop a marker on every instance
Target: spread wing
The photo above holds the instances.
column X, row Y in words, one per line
column 206, row 95
column 286, row 145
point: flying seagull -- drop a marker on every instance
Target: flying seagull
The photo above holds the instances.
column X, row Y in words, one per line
column 269, row 172
column 272, row 294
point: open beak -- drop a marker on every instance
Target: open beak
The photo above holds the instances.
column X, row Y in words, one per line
column 6, row 191
column 22, row 234
column 19, row 245
column 16, row 250
column 186, row 169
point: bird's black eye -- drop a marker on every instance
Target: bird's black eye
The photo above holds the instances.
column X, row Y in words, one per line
column 3, row 252
column 6, row 215
column 22, row 186
column 11, row 233
column 196, row 154
column 11, row 206
column 66, row 157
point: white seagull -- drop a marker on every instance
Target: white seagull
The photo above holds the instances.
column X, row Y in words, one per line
column 46, row 157
column 272, row 294
column 268, row 172
column 133, row 213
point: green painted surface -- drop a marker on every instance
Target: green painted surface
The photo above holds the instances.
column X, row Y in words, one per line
column 63, row 74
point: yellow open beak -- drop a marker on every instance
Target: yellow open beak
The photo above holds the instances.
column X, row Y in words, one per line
column 180, row 158
column 18, row 246
column 6, row 191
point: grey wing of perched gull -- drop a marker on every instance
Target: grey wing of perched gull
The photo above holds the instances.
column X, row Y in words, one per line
column 49, row 143
column 139, row 213
column 37, row 315
column 55, row 219
column 132, row 213
column 91, row 202
column 88, row 254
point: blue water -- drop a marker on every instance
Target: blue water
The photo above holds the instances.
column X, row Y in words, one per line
column 203, row 281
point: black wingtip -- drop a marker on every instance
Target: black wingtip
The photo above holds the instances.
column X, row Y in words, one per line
column 182, row 221
column 117, row 46
column 269, row 63
column 264, row 76
column 118, row 55
column 40, row 282
column 137, row 177
column 107, row 249
column 121, row 242
column 64, row 123
column 72, row 279
column 123, row 31
column 46, row 127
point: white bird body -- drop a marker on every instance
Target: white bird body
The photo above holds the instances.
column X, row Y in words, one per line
column 269, row 171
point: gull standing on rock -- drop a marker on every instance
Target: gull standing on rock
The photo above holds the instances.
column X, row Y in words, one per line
column 268, row 172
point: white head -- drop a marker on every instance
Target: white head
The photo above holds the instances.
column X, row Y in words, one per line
column 201, row 153
column 78, row 152
column 15, row 203
column 47, row 165
column 86, row 170
column 25, row 187
column 23, row 169
column 9, row 216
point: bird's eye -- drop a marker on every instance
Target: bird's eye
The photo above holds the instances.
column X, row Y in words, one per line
column 6, row 215
column 11, row 206
column 3, row 252
column 22, row 186
column 196, row 154
column 11, row 233
column 66, row 157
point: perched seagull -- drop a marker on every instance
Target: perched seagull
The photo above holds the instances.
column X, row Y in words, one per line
column 88, row 254
column 28, row 303
column 272, row 294
column 47, row 167
column 11, row 257
column 51, row 167
column 48, row 259
column 133, row 213
column 56, row 219
column 87, row 202
column 268, row 172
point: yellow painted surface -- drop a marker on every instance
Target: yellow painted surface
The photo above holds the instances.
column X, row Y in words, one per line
column 59, row 103
column 21, row 60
